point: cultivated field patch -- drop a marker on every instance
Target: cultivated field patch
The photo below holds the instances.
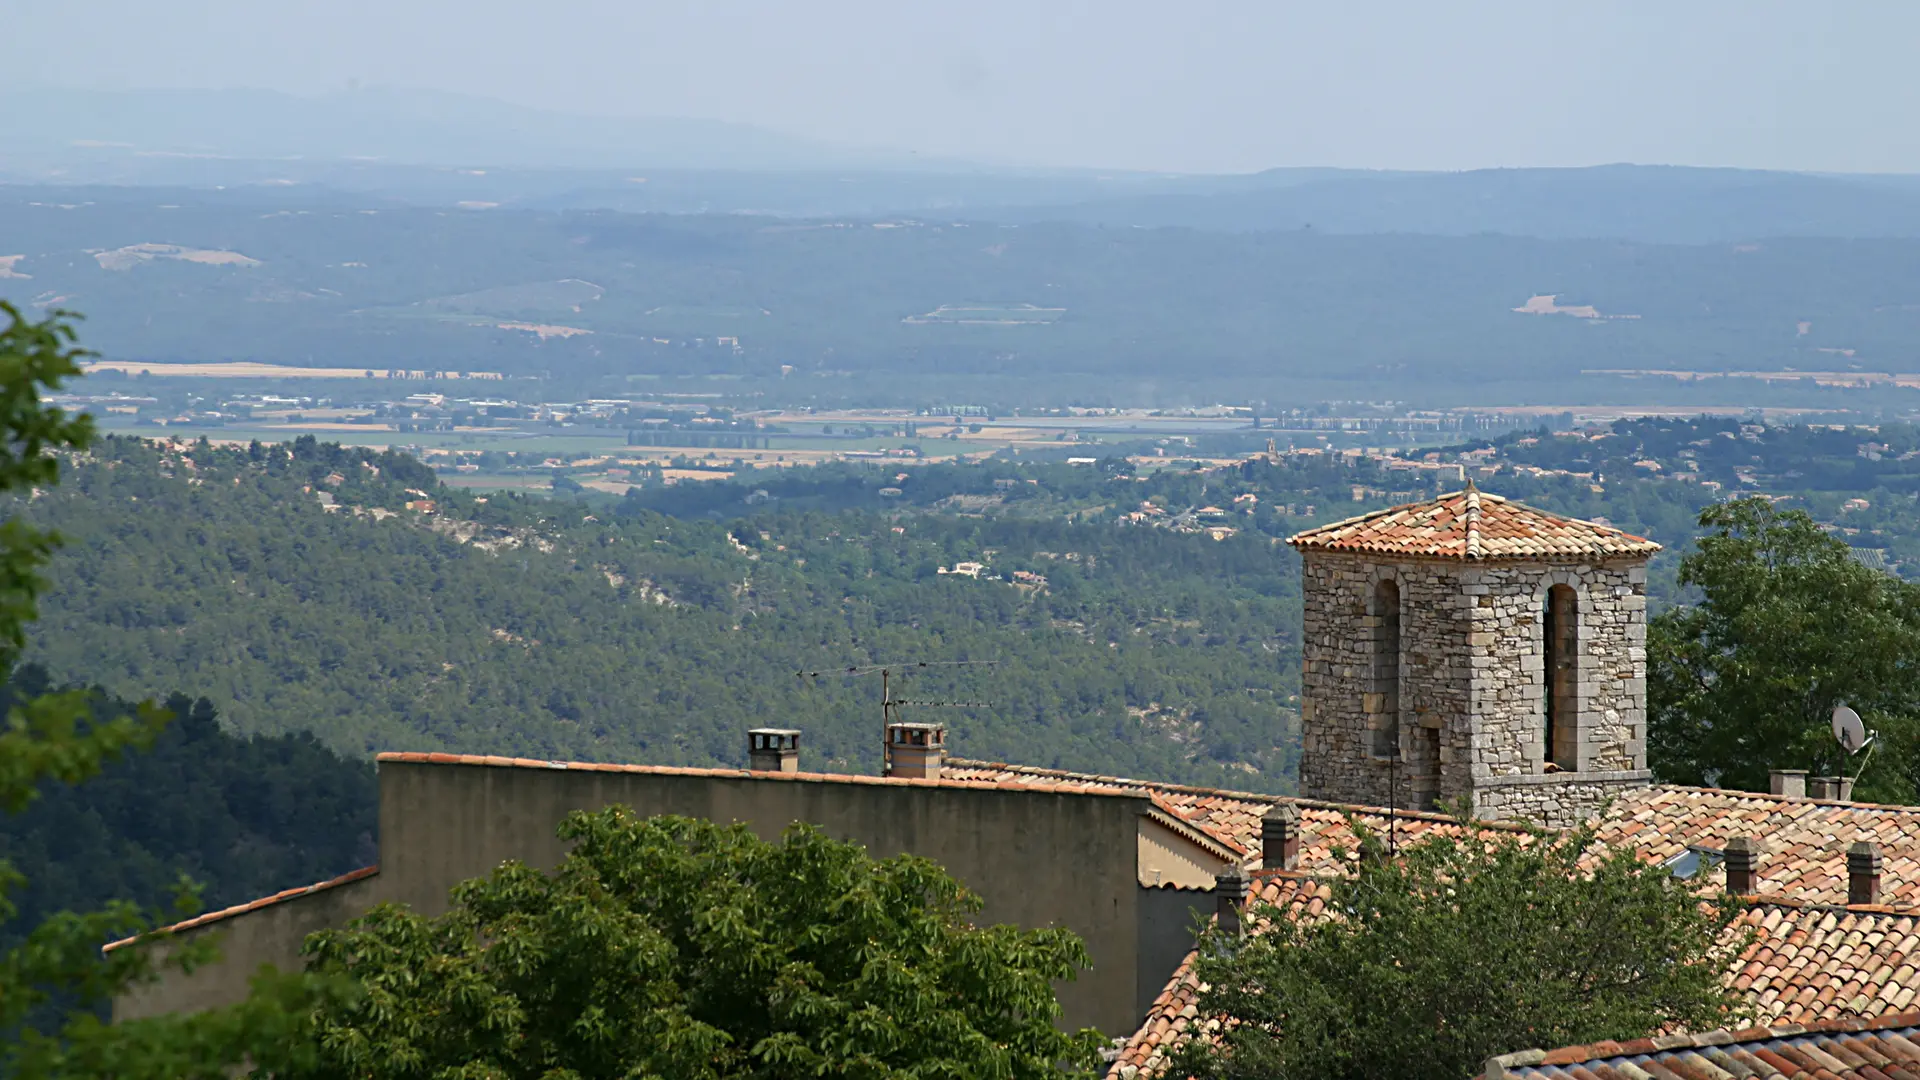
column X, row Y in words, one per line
column 133, row 255
column 984, row 314
column 1549, row 304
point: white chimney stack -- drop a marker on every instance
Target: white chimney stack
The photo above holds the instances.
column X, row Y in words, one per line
column 773, row 750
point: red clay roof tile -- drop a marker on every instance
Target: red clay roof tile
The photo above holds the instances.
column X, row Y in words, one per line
column 1803, row 841
column 1231, row 817
column 1839, row 1049
column 1472, row 525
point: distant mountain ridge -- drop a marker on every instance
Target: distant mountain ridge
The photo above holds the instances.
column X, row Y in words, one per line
column 419, row 127
column 430, row 148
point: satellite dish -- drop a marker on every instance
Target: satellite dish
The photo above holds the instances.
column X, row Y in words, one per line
column 1847, row 728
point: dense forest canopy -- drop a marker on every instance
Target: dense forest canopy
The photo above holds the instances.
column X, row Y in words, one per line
column 505, row 624
column 242, row 817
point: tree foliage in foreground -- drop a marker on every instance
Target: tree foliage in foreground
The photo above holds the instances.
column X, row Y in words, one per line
column 1460, row 949
column 1788, row 626
column 672, row 947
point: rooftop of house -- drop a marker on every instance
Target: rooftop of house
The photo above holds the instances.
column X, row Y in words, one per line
column 1806, row 964
column 1472, row 525
column 1232, row 818
column 1171, row 1020
column 1803, row 841
column 1813, row 958
column 1843, row 1049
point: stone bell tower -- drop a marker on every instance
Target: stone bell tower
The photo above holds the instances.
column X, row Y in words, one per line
column 1471, row 646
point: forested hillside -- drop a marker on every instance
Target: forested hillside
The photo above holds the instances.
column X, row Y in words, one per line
column 657, row 628
column 242, row 817
column 520, row 626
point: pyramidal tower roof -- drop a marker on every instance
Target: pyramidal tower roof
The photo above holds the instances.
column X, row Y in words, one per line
column 1472, row 525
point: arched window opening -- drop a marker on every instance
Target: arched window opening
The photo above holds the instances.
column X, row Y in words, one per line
column 1560, row 635
column 1384, row 702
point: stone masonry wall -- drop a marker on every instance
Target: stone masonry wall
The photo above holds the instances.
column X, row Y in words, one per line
column 1472, row 685
column 1339, row 707
column 1555, row 800
column 1509, row 671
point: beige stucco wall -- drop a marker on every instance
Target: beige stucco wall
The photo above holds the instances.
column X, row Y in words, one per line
column 1168, row 859
column 270, row 935
column 1037, row 858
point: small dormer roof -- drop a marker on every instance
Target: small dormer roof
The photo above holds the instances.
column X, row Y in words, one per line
column 1473, row 525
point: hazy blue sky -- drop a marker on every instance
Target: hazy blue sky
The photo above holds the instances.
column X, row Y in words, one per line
column 1185, row 86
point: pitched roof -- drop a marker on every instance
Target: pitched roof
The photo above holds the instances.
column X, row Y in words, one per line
column 1472, row 525
column 1230, row 817
column 1803, row 842
column 1811, row 963
column 251, row 905
column 1806, row 964
column 1175, row 1014
column 1853, row 1049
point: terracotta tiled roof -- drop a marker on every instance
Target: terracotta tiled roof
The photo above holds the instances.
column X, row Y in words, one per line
column 1171, row 1020
column 1230, row 817
column 1471, row 524
column 1821, row 963
column 1806, row 965
column 1888, row 1047
column 254, row 905
column 1803, row 841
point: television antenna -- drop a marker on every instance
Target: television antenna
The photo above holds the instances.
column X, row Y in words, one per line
column 889, row 705
column 1853, row 736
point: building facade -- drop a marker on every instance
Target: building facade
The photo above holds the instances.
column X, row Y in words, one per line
column 1473, row 648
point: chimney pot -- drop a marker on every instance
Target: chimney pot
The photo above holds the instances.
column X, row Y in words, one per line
column 773, row 750
column 916, row 751
column 1280, row 837
column 1789, row 782
column 1742, row 855
column 1229, row 899
column 1863, row 873
column 1833, row 788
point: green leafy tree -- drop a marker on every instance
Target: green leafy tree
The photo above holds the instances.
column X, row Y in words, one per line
column 679, row 948
column 1427, row 964
column 1788, row 625
column 54, row 980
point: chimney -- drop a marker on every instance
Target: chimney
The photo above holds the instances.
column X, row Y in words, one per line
column 1280, row 837
column 1789, row 782
column 916, row 751
column 1863, row 874
column 1832, row 788
column 1743, row 865
column 1230, row 899
column 773, row 750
